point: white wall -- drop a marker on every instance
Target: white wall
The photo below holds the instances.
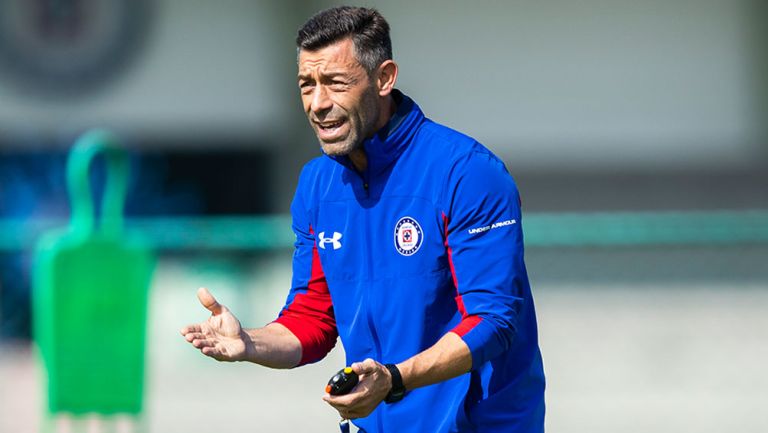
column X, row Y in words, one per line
column 584, row 83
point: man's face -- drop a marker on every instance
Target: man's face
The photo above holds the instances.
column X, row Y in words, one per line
column 340, row 99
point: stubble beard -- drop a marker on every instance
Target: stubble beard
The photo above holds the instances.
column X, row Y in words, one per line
column 354, row 140
column 341, row 148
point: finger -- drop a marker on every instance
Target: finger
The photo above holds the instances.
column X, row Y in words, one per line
column 212, row 352
column 209, row 301
column 367, row 366
column 341, row 408
column 194, row 336
column 203, row 343
column 191, row 328
column 330, row 399
column 342, row 401
column 347, row 412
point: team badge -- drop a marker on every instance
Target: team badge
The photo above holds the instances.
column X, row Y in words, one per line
column 408, row 236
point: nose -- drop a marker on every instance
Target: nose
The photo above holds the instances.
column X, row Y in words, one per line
column 320, row 100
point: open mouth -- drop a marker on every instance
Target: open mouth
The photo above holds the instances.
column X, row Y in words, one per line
column 330, row 130
column 328, row 126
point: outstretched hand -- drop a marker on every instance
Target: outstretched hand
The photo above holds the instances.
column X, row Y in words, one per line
column 221, row 337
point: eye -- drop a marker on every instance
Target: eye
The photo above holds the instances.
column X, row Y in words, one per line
column 339, row 85
column 306, row 86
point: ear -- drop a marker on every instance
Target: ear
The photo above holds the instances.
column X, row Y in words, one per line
column 386, row 76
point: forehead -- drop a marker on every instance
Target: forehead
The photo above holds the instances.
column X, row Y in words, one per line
column 336, row 56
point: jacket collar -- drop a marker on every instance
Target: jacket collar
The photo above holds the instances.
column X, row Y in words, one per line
column 390, row 141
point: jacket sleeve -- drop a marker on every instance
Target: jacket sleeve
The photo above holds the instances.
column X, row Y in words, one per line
column 308, row 311
column 484, row 243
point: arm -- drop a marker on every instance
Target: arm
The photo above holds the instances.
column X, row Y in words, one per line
column 484, row 243
column 273, row 346
column 446, row 359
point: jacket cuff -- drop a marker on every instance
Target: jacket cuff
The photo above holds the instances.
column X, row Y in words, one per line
column 482, row 338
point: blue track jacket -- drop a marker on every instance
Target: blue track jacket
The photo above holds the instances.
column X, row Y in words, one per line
column 427, row 241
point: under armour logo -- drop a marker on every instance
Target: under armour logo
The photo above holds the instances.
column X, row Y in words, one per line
column 334, row 240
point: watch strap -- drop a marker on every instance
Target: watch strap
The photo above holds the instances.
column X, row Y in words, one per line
column 398, row 389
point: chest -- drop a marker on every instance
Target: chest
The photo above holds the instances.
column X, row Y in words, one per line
column 393, row 236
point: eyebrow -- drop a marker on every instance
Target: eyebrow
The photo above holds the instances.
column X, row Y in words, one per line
column 326, row 74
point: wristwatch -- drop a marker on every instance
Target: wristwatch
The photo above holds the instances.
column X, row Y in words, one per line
column 398, row 389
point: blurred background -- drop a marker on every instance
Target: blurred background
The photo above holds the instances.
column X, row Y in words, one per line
column 637, row 133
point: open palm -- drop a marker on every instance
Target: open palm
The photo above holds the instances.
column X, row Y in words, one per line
column 221, row 337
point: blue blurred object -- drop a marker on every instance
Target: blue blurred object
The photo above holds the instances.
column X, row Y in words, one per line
column 30, row 186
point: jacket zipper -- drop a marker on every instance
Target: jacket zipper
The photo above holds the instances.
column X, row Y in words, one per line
column 365, row 177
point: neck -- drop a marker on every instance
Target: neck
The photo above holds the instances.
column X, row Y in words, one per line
column 388, row 109
column 359, row 159
column 358, row 156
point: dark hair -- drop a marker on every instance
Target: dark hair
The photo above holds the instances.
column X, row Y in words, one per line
column 368, row 29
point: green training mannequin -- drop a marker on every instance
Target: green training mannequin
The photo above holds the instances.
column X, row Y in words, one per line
column 90, row 293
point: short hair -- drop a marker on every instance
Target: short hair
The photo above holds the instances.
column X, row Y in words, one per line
column 367, row 28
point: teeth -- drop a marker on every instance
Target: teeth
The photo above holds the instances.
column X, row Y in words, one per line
column 331, row 125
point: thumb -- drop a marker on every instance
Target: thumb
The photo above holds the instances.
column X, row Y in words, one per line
column 209, row 301
column 365, row 367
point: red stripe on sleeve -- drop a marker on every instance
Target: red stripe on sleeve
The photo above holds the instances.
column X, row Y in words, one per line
column 468, row 322
column 310, row 315
column 466, row 325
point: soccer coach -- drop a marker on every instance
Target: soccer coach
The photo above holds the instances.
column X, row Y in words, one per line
column 409, row 247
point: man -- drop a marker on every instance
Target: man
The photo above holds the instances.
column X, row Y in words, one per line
column 408, row 247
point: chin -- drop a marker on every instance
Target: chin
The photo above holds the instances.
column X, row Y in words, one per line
column 337, row 149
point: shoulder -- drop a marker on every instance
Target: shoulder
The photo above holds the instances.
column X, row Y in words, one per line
column 447, row 139
column 471, row 173
column 316, row 172
column 454, row 147
column 311, row 175
column 458, row 154
column 313, row 168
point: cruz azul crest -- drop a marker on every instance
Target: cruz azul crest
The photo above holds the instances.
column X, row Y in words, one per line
column 408, row 236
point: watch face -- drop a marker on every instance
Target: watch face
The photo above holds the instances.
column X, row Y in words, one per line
column 55, row 47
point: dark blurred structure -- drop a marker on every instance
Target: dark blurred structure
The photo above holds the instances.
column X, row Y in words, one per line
column 32, row 185
column 69, row 48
